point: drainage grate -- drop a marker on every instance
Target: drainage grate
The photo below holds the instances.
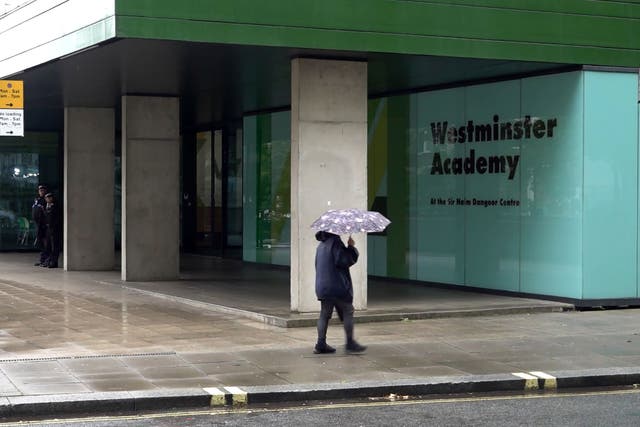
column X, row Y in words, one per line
column 97, row 356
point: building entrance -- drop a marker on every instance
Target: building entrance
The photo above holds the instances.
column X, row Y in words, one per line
column 212, row 192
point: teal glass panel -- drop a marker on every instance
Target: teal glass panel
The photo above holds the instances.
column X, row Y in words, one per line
column 439, row 223
column 377, row 255
column 249, row 187
column 610, row 225
column 492, row 186
column 276, row 207
column 551, row 179
column 377, row 168
column 267, row 188
column 391, row 145
column 519, row 156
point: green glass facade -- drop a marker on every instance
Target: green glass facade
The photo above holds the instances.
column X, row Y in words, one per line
column 266, row 180
column 527, row 185
column 25, row 163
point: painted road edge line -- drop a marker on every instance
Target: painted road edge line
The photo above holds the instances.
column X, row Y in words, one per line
column 218, row 397
column 238, row 396
column 530, row 381
column 550, row 382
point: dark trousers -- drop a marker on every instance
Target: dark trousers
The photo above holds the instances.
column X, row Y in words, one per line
column 52, row 247
column 345, row 313
column 41, row 243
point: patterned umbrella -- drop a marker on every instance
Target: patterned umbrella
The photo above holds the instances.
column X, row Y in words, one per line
column 348, row 221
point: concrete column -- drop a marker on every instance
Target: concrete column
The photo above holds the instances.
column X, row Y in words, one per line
column 150, row 188
column 328, row 164
column 88, row 189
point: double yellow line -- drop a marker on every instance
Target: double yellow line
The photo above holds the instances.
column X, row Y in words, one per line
column 233, row 396
column 536, row 380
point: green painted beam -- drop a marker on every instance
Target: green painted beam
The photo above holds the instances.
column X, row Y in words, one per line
column 379, row 43
column 571, row 31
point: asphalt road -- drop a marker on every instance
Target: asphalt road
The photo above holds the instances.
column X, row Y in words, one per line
column 602, row 408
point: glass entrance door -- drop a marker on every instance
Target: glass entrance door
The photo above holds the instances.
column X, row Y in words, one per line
column 212, row 201
column 204, row 190
column 217, row 219
column 208, row 191
column 232, row 199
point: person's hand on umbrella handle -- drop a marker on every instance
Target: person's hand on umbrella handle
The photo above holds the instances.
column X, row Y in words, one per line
column 351, row 242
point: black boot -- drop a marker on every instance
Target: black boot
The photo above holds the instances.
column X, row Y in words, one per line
column 354, row 347
column 322, row 347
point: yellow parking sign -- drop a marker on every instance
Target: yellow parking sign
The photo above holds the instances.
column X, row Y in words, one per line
column 11, row 94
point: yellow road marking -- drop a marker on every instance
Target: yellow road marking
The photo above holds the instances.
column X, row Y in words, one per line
column 549, row 380
column 239, row 397
column 217, row 396
column 530, row 381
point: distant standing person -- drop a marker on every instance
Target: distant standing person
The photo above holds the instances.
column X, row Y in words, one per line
column 52, row 221
column 37, row 215
column 334, row 288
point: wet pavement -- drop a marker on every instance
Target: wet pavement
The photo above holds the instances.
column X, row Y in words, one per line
column 261, row 292
column 83, row 332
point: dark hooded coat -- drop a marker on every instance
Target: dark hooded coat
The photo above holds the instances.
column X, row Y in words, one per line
column 52, row 219
column 333, row 260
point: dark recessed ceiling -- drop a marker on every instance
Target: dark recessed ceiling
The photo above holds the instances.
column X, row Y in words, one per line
column 220, row 82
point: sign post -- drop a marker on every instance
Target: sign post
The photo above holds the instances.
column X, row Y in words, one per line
column 11, row 108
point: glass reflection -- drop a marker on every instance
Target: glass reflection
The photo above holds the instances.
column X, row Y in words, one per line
column 24, row 163
column 267, row 188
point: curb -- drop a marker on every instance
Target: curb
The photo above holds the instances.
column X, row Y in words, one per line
column 516, row 382
column 436, row 314
column 14, row 407
column 17, row 407
column 359, row 317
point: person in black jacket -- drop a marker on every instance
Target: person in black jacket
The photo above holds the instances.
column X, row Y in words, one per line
column 334, row 288
column 37, row 215
column 52, row 222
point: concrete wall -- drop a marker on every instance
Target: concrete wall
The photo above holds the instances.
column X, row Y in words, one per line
column 88, row 188
column 150, row 188
column 328, row 164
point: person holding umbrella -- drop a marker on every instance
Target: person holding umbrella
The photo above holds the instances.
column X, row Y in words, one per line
column 334, row 288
